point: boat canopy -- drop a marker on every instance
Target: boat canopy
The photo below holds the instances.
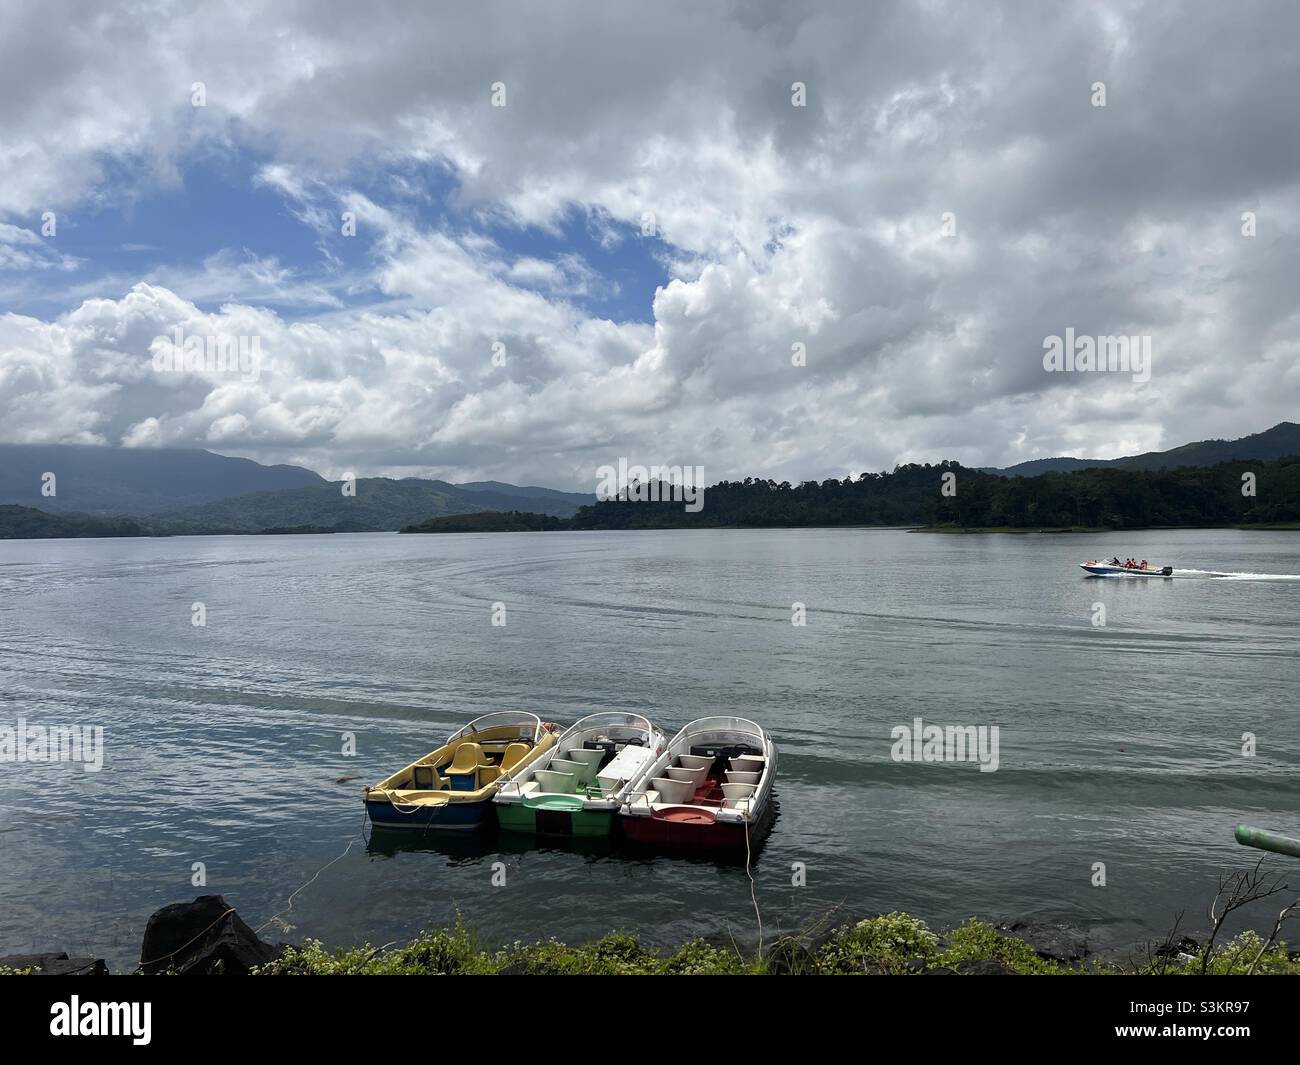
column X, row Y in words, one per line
column 719, row 728
column 611, row 719
column 530, row 725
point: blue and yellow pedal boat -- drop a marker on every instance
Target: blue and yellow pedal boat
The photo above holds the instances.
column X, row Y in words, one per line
column 451, row 789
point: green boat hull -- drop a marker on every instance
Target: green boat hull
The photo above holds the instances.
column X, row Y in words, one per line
column 554, row 819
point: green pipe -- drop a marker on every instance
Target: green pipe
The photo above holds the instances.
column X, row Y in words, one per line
column 1267, row 841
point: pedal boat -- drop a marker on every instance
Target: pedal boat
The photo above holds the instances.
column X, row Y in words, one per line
column 451, row 789
column 711, row 788
column 577, row 787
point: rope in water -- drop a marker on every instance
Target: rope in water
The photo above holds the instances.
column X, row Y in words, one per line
column 361, row 834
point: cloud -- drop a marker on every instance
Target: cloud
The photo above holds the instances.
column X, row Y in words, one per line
column 780, row 225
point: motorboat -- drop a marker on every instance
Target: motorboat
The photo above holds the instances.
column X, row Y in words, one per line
column 1109, row 569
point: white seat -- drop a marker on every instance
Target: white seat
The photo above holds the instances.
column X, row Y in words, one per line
column 674, row 791
column 582, row 772
column 695, row 776
column 552, row 781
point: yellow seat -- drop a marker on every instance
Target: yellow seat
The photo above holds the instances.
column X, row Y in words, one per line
column 468, row 759
column 514, row 753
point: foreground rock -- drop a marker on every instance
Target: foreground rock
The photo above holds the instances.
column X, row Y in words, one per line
column 202, row 937
column 55, row 964
column 1055, row 942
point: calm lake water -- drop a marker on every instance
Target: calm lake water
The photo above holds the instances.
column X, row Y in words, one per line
column 1119, row 744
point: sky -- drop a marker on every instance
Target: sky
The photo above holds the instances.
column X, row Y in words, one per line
column 522, row 241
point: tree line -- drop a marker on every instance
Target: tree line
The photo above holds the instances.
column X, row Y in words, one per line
column 914, row 494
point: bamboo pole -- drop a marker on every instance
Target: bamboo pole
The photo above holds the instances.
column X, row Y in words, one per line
column 1267, row 841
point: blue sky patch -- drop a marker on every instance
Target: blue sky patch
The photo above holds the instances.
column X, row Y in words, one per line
column 221, row 217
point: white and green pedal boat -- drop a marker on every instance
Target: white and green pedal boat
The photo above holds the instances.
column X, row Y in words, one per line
column 577, row 787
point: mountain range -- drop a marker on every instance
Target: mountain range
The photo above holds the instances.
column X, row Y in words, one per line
column 378, row 504
column 177, row 491
column 1280, row 441
column 111, row 480
column 125, row 491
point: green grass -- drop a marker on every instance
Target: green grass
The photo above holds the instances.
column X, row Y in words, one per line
column 894, row 943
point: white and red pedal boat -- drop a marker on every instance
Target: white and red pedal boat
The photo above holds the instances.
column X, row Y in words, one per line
column 711, row 787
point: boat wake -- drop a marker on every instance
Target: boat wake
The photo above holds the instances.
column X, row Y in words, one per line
column 1241, row 576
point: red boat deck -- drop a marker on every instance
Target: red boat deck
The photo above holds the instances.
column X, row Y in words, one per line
column 692, row 824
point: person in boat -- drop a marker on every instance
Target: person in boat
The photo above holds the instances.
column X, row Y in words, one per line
column 1143, row 565
column 1114, row 560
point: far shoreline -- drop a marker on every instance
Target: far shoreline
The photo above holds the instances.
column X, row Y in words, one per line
column 1009, row 530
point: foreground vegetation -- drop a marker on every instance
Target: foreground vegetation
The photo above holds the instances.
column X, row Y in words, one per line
column 895, row 943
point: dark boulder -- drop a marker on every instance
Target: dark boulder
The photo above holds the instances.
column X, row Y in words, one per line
column 55, row 964
column 202, row 937
column 1054, row 942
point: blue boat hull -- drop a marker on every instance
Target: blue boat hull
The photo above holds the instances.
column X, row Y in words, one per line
column 453, row 817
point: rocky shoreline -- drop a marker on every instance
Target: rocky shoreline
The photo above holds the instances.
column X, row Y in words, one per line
column 207, row 937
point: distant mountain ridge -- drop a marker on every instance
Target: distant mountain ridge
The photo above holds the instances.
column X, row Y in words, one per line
column 380, row 504
column 111, row 480
column 189, row 490
column 1278, row 442
column 128, row 492
column 501, row 488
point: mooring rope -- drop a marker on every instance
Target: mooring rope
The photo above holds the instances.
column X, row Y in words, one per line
column 753, row 892
column 173, row 953
column 361, row 834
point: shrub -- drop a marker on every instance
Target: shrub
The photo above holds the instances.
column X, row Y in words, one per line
column 878, row 944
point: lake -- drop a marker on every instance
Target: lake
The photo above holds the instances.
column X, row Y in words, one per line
column 1120, row 743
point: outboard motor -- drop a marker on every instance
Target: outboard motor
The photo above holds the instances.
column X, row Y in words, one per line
column 1168, row 571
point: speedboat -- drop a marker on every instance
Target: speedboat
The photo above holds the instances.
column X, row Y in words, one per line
column 1107, row 569
column 712, row 787
column 577, row 787
column 451, row 788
